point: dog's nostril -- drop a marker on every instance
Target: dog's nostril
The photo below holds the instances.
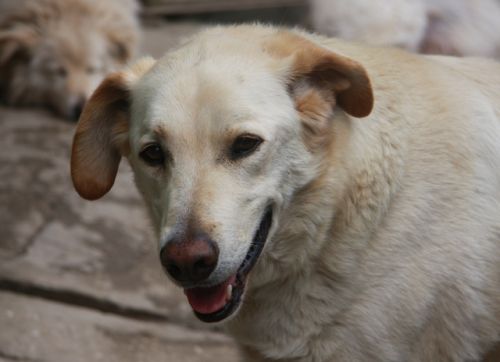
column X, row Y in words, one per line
column 202, row 268
column 174, row 271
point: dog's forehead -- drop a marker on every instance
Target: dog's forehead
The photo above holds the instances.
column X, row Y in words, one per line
column 208, row 93
column 74, row 49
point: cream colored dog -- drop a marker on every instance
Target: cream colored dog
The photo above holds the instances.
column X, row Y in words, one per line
column 455, row 27
column 338, row 202
column 54, row 53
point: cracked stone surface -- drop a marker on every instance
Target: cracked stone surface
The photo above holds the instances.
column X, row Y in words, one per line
column 79, row 280
column 43, row 331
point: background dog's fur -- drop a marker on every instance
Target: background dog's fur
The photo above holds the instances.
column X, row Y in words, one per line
column 53, row 53
column 390, row 248
column 455, row 27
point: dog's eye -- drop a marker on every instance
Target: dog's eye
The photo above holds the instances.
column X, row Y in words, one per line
column 153, row 155
column 244, row 145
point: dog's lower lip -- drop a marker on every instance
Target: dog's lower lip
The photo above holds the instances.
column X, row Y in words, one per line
column 238, row 286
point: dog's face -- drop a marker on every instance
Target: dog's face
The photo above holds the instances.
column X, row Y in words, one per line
column 60, row 67
column 67, row 72
column 219, row 142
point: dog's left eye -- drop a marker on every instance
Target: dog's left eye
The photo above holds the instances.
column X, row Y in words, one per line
column 245, row 145
column 153, row 155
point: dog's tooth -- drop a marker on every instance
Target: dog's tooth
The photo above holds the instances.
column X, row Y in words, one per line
column 229, row 292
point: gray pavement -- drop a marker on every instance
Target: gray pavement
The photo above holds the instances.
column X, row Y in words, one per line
column 79, row 280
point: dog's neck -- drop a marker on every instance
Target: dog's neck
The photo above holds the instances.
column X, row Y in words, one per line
column 334, row 215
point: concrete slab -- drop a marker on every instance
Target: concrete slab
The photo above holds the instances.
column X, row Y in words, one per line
column 37, row 330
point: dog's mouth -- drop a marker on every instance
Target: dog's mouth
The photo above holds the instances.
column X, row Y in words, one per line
column 213, row 304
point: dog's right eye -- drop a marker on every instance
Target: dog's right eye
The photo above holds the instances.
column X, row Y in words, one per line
column 153, row 155
column 245, row 145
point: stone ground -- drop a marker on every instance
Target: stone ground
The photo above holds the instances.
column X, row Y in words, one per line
column 79, row 280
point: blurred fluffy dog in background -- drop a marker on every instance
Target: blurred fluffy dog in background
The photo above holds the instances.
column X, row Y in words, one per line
column 53, row 53
column 454, row 27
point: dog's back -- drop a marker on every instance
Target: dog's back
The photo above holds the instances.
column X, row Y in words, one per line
column 414, row 249
column 438, row 246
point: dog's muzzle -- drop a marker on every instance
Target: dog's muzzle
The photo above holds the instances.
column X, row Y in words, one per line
column 194, row 262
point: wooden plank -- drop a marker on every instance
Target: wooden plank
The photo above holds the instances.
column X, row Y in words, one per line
column 202, row 6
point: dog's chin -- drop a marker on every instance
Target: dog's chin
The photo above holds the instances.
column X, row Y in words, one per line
column 216, row 303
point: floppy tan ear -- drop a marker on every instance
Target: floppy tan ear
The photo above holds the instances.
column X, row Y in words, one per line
column 341, row 79
column 101, row 136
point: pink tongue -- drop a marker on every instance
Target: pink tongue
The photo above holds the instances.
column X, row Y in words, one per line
column 209, row 300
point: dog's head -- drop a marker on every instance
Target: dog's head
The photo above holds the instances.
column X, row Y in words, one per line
column 221, row 135
column 59, row 61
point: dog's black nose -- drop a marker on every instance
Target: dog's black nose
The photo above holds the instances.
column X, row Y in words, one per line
column 190, row 260
column 77, row 109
